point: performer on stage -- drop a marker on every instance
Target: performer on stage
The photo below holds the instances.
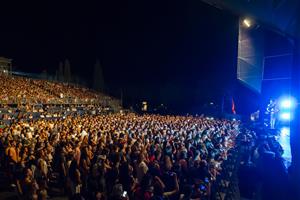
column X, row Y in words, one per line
column 272, row 110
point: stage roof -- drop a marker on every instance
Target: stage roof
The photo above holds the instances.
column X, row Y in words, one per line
column 280, row 15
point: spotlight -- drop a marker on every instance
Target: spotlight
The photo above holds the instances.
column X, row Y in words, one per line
column 286, row 116
column 287, row 103
column 247, row 22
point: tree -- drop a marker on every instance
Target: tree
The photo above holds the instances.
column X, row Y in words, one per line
column 60, row 72
column 56, row 76
column 98, row 82
column 67, row 71
column 44, row 74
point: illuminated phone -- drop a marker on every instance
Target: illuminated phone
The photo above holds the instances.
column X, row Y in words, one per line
column 124, row 194
column 202, row 187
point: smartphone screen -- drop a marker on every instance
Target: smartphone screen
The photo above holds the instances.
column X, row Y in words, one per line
column 202, row 187
column 206, row 180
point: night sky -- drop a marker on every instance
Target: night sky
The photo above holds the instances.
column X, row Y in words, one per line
column 180, row 53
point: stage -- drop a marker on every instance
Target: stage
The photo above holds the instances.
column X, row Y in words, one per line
column 284, row 139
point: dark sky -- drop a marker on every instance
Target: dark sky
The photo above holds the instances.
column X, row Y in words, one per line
column 180, row 53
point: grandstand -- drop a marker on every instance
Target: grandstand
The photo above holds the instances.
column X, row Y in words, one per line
column 23, row 94
column 20, row 90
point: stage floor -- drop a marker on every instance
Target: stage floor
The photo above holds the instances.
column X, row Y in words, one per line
column 284, row 140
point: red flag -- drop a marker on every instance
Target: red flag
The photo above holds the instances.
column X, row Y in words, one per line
column 233, row 106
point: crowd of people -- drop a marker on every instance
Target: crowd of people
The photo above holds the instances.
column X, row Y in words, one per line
column 59, row 136
column 18, row 89
column 116, row 156
column 263, row 172
column 8, row 114
column 64, row 90
column 21, row 90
